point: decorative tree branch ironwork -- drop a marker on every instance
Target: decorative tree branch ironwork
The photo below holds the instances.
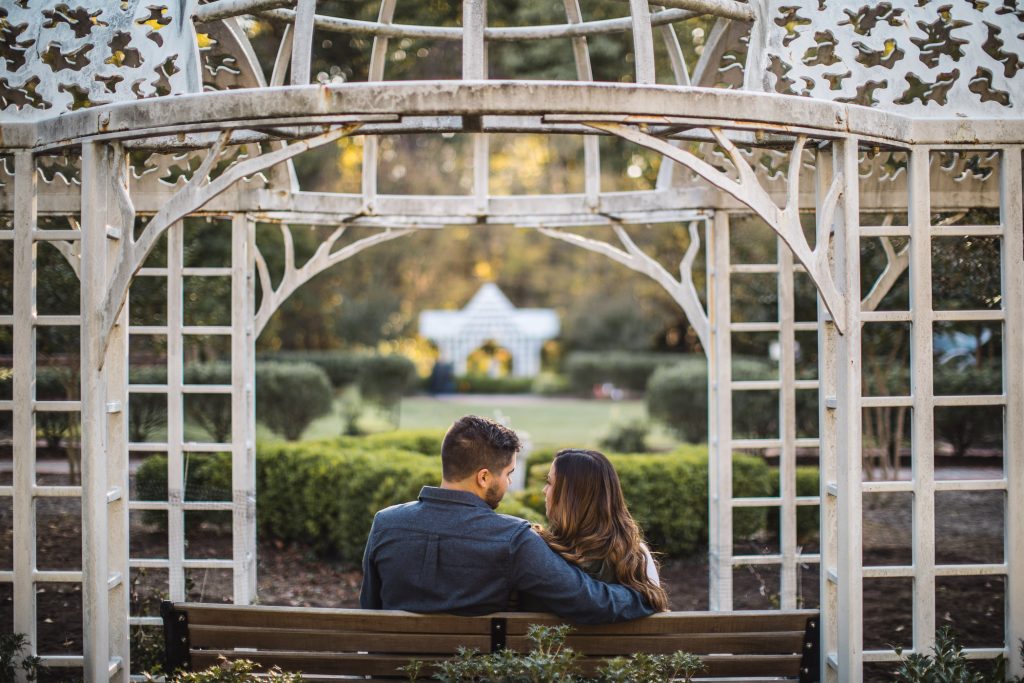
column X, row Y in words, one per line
column 295, row 276
column 199, row 190
column 749, row 191
column 682, row 290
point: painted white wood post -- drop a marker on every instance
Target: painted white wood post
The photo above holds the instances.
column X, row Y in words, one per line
column 1011, row 192
column 921, row 390
column 243, row 432
column 23, row 397
column 175, row 414
column 96, row 169
column 719, row 416
column 846, row 605
column 787, row 428
column 116, row 376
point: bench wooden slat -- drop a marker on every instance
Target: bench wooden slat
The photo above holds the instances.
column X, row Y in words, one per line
column 382, row 621
column 781, row 642
column 675, row 622
column 393, row 621
column 389, row 665
column 309, row 640
column 214, row 637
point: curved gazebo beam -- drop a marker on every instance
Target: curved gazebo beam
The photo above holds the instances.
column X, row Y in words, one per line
column 193, row 196
column 682, row 291
column 511, row 34
column 748, row 190
column 296, row 276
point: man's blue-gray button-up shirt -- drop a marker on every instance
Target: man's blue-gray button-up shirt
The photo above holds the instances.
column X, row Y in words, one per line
column 449, row 552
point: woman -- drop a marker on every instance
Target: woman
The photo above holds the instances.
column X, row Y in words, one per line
column 590, row 526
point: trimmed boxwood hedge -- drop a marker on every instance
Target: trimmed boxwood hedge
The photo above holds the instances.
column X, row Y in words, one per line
column 324, row 496
column 324, row 493
column 424, row 441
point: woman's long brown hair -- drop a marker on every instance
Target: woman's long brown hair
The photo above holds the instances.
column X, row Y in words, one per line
column 589, row 522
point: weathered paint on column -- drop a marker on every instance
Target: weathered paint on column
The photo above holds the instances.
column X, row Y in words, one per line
column 23, row 396
column 719, row 417
column 95, row 545
column 787, row 427
column 1012, row 217
column 175, row 414
column 922, row 417
column 243, row 368
column 115, row 369
column 848, row 419
column 827, row 426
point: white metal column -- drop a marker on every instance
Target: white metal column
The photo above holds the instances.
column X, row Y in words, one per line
column 839, row 411
column 175, row 413
column 243, row 427
column 719, row 417
column 99, row 545
column 923, row 407
column 23, row 396
column 116, row 378
column 788, row 576
column 1012, row 216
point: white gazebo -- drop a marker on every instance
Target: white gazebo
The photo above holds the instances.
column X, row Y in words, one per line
column 491, row 317
column 832, row 127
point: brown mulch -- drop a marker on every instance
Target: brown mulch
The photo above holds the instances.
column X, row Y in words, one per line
column 969, row 529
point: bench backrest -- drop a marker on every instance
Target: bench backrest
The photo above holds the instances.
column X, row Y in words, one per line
column 316, row 641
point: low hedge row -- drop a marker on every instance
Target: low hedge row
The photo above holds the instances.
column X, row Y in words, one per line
column 423, row 441
column 324, row 493
column 485, row 384
column 318, row 493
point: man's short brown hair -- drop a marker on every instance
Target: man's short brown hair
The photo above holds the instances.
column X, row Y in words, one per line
column 474, row 443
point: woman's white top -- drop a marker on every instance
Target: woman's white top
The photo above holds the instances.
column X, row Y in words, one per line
column 652, row 568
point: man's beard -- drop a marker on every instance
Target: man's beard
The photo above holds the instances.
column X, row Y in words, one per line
column 493, row 496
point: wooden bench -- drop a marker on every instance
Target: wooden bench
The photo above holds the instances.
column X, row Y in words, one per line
column 349, row 642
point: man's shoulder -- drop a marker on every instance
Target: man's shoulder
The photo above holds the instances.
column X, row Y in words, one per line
column 397, row 511
column 512, row 522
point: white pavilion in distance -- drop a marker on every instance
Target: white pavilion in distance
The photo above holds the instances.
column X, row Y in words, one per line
column 491, row 317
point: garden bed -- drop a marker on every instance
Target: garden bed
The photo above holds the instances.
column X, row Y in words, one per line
column 968, row 530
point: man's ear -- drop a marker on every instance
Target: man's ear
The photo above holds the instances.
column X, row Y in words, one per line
column 483, row 478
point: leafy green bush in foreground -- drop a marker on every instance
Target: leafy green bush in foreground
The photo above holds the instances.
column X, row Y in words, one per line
column 947, row 664
column 551, row 661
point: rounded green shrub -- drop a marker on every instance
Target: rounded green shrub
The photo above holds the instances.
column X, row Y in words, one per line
column 384, row 379
column 147, row 413
column 677, row 396
column 343, row 368
column 289, row 396
column 212, row 412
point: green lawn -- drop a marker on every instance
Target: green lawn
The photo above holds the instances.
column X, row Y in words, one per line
column 548, row 421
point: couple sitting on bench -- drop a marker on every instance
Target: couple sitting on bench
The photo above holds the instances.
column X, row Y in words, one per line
column 450, row 552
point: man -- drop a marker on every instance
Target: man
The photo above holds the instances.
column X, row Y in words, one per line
column 450, row 552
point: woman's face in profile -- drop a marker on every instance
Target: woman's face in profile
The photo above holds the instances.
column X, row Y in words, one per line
column 549, row 489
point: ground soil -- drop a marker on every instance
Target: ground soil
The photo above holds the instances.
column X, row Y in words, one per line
column 969, row 529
